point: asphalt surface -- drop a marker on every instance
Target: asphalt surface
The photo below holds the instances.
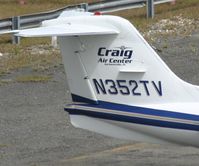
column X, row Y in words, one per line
column 35, row 130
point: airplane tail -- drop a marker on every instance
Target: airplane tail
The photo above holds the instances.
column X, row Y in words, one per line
column 114, row 75
column 117, row 65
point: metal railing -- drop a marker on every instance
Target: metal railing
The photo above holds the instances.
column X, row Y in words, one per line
column 34, row 20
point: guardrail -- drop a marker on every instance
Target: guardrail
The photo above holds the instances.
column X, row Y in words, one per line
column 34, row 20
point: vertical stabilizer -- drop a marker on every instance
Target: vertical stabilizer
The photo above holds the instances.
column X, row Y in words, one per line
column 119, row 68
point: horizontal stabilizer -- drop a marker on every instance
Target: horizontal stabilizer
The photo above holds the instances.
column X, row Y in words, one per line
column 9, row 32
column 66, row 30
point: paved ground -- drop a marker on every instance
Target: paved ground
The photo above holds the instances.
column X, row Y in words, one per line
column 35, row 131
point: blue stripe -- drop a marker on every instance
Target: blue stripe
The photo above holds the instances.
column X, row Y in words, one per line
column 77, row 98
column 144, row 121
column 136, row 109
column 142, row 110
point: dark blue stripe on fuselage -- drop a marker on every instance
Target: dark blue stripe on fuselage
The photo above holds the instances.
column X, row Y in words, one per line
column 143, row 110
column 137, row 120
column 135, row 109
column 77, row 98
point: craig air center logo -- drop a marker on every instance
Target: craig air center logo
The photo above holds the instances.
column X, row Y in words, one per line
column 116, row 56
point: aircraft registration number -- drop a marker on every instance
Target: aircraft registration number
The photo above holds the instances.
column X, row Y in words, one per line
column 128, row 87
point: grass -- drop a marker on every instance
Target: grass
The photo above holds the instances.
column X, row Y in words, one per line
column 194, row 49
column 33, row 78
column 3, row 145
column 32, row 57
column 37, row 54
column 13, row 8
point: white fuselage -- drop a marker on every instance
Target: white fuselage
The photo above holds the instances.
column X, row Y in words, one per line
column 162, row 129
